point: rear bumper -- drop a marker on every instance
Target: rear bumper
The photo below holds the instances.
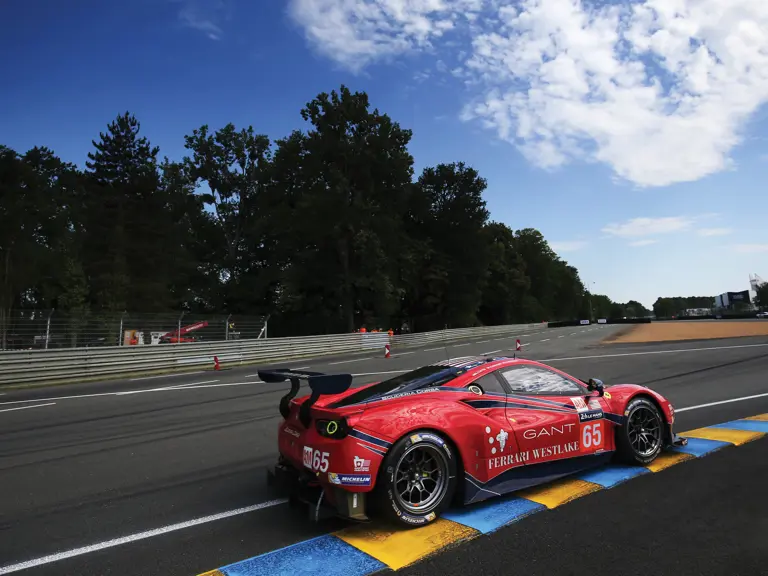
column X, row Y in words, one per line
column 324, row 501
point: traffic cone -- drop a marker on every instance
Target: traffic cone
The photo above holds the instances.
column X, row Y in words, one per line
column 386, row 350
column 216, row 365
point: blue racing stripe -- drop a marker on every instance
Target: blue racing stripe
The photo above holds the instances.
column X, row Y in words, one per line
column 325, row 555
column 748, row 425
column 490, row 516
column 700, row 447
column 613, row 474
column 368, row 438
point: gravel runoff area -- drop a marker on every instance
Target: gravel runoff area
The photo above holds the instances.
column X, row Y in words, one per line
column 693, row 330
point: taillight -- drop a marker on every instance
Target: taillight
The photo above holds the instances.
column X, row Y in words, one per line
column 336, row 429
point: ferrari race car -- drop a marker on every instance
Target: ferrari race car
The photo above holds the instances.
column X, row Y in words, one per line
column 454, row 432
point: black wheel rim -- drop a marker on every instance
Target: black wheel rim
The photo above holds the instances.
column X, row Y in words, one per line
column 644, row 430
column 421, row 479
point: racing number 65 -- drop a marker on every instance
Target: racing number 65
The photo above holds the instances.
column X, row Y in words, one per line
column 592, row 435
column 315, row 460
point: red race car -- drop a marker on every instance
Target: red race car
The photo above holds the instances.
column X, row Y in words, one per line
column 458, row 431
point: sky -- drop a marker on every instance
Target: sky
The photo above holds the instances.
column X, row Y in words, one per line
column 632, row 134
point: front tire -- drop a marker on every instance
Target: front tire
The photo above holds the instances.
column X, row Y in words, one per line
column 418, row 479
column 641, row 439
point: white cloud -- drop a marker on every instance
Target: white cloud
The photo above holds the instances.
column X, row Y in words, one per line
column 567, row 246
column 202, row 15
column 715, row 231
column 638, row 243
column 649, row 226
column 659, row 90
column 751, row 248
column 357, row 32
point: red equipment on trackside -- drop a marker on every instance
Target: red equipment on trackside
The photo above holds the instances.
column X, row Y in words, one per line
column 178, row 336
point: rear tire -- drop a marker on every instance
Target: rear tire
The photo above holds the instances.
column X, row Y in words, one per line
column 417, row 480
column 640, row 439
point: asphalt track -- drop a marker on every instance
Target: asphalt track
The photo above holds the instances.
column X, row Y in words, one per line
column 85, row 464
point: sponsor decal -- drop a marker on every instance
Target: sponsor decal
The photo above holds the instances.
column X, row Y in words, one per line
column 607, row 395
column 349, row 479
column 434, row 438
column 403, row 394
column 579, row 403
column 532, row 433
column 416, row 519
column 591, row 415
column 291, row 431
column 532, row 455
column 361, row 464
column 594, row 404
column 500, row 439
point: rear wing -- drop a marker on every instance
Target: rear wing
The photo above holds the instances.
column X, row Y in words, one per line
column 320, row 384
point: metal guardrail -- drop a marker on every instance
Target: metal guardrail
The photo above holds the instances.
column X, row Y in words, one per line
column 83, row 364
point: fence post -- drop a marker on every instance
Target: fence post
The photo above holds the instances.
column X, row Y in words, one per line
column 178, row 334
column 226, row 328
column 48, row 328
column 120, row 332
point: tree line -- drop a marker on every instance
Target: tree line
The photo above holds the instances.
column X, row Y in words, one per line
column 327, row 229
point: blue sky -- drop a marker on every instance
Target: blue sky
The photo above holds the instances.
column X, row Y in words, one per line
column 633, row 135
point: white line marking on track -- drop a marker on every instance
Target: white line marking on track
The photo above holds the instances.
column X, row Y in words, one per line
column 545, row 340
column 28, row 407
column 655, row 352
column 138, row 536
column 432, row 349
column 165, row 376
column 460, row 345
column 350, row 361
column 302, row 368
column 489, row 353
column 482, row 341
column 699, row 406
column 563, row 336
column 572, row 334
column 175, row 387
column 404, row 353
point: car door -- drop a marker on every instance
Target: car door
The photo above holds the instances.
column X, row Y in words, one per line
column 551, row 415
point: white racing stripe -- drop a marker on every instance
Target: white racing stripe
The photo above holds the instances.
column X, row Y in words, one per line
column 28, row 407
column 138, row 536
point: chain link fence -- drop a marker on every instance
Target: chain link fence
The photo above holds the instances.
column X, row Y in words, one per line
column 48, row 329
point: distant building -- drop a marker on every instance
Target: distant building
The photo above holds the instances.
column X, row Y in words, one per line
column 697, row 312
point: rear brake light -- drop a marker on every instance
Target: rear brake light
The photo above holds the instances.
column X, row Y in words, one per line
column 335, row 429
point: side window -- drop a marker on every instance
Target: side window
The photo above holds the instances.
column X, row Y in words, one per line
column 533, row 380
column 490, row 383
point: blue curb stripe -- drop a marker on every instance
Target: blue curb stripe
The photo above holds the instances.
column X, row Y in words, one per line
column 325, row 555
column 613, row 474
column 748, row 425
column 488, row 517
column 700, row 447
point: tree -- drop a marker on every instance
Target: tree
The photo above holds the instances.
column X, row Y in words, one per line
column 347, row 181
column 761, row 298
column 449, row 220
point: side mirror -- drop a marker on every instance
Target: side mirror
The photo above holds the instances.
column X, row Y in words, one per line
column 595, row 384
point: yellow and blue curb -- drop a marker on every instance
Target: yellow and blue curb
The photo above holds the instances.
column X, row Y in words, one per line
column 366, row 549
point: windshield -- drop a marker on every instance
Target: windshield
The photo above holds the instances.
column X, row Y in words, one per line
column 428, row 376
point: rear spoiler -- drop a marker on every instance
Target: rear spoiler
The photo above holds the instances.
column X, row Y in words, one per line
column 320, row 384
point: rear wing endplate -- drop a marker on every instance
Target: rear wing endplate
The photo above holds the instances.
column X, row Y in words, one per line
column 320, row 384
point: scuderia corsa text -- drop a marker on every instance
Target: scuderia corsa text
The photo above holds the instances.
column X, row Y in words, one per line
column 532, row 455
